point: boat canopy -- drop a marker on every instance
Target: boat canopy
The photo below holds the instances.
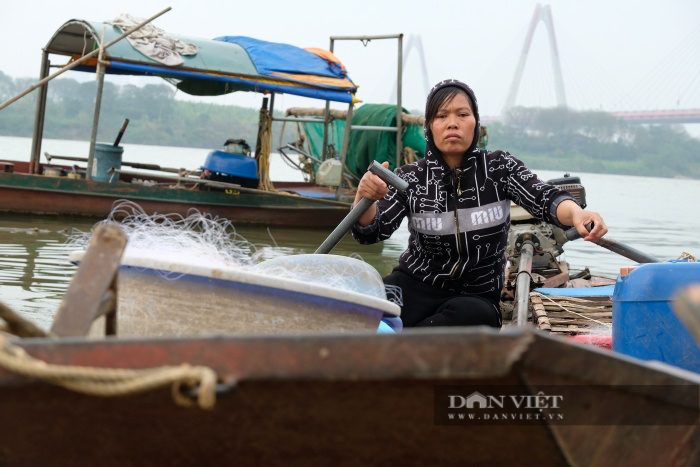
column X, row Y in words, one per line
column 219, row 66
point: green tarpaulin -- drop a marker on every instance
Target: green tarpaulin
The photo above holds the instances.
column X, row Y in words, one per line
column 367, row 146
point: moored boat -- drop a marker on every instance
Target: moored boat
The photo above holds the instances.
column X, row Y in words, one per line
column 219, row 186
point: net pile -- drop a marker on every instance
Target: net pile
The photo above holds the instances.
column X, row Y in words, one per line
column 198, row 239
column 203, row 240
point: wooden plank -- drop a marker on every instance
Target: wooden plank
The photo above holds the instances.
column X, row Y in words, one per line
column 576, row 329
column 577, row 309
column 558, row 279
column 557, row 298
column 586, row 322
column 83, row 302
column 576, row 315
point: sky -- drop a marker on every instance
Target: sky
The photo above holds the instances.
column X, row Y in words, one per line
column 615, row 54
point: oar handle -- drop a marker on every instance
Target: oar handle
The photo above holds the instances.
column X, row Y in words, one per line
column 355, row 213
column 121, row 132
column 614, row 246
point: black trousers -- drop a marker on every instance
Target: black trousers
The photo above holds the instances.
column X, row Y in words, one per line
column 426, row 305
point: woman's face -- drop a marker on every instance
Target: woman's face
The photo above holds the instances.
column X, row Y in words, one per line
column 453, row 126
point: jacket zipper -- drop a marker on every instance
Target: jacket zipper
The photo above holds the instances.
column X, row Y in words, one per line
column 457, row 192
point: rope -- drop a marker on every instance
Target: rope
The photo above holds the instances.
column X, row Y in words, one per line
column 687, row 257
column 263, row 157
column 111, row 382
column 570, row 311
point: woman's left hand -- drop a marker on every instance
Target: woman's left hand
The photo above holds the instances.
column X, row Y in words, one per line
column 582, row 218
column 570, row 213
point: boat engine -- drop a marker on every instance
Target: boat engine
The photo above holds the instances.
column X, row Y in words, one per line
column 533, row 252
column 233, row 165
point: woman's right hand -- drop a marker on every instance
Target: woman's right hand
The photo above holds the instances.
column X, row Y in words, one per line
column 371, row 187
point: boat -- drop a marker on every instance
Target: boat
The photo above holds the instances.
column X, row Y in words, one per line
column 452, row 395
column 342, row 398
column 231, row 183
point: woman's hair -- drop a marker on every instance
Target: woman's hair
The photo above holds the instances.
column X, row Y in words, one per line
column 443, row 97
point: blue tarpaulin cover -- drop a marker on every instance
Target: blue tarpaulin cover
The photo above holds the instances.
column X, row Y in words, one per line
column 601, row 291
column 229, row 64
column 274, row 57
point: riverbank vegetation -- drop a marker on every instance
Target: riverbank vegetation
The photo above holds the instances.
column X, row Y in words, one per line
column 155, row 116
column 552, row 139
column 596, row 142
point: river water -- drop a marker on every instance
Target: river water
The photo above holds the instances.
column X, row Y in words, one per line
column 658, row 216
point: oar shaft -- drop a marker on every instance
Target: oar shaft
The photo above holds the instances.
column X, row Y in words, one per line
column 345, row 225
column 626, row 251
column 121, row 132
column 355, row 213
column 616, row 247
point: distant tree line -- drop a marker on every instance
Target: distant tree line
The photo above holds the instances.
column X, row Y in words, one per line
column 551, row 139
column 597, row 142
column 155, row 115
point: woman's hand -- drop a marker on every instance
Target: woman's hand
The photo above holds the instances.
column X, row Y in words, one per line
column 371, row 187
column 582, row 218
column 570, row 213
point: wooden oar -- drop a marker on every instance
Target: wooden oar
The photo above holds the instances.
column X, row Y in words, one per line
column 614, row 246
column 355, row 213
column 136, row 165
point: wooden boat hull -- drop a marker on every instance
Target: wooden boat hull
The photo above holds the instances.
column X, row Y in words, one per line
column 347, row 399
column 38, row 194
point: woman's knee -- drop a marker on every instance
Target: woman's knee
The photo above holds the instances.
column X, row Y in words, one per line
column 469, row 311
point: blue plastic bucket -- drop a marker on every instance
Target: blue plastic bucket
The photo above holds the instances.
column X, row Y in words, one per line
column 644, row 324
column 106, row 157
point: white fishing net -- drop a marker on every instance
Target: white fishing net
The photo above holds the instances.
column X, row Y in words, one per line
column 333, row 271
column 196, row 239
column 204, row 240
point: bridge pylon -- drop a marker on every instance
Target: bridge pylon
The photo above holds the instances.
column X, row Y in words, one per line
column 542, row 14
column 414, row 42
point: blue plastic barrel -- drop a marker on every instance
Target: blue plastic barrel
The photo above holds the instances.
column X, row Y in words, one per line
column 106, row 157
column 644, row 324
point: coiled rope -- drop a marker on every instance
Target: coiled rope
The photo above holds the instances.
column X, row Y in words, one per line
column 111, row 382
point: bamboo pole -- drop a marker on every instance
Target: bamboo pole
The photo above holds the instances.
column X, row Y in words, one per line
column 39, row 117
column 399, row 108
column 98, row 105
column 342, row 115
column 72, row 65
column 344, row 150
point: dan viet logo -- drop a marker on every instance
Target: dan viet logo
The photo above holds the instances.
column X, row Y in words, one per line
column 477, row 406
column 566, row 404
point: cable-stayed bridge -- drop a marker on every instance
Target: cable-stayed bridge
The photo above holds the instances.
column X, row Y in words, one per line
column 681, row 63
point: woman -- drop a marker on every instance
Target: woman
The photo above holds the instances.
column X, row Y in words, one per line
column 458, row 204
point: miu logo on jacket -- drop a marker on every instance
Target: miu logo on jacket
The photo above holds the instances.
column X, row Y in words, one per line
column 443, row 223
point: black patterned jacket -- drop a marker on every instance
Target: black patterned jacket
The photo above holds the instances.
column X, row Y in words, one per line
column 459, row 218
